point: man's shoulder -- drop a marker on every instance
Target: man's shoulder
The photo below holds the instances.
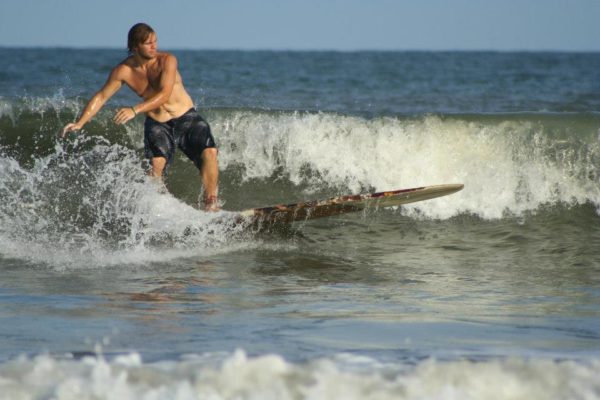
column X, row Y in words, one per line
column 165, row 56
column 126, row 63
column 124, row 67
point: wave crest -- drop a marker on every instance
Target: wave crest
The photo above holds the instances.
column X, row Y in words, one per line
column 507, row 166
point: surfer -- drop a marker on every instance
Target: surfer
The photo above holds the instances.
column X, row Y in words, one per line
column 171, row 119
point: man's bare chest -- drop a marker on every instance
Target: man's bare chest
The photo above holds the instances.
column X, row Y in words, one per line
column 144, row 83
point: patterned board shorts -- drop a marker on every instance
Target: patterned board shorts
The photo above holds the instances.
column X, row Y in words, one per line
column 190, row 132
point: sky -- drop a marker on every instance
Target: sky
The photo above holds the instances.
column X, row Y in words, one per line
column 345, row 25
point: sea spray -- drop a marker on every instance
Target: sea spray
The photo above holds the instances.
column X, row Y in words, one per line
column 91, row 199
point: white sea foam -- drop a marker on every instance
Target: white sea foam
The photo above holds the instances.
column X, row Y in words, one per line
column 6, row 110
column 512, row 166
column 238, row 376
column 97, row 208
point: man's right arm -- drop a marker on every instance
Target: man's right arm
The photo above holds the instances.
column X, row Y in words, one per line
column 113, row 83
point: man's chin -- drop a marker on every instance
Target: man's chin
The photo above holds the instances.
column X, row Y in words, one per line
column 148, row 57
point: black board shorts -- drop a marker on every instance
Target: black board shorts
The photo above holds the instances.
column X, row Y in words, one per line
column 190, row 132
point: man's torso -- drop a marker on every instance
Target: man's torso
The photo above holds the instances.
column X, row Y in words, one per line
column 145, row 82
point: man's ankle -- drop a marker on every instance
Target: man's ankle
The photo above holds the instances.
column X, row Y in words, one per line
column 211, row 203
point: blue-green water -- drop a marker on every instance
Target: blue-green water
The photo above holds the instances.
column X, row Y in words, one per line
column 114, row 289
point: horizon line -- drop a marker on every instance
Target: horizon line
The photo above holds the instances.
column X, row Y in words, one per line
column 306, row 50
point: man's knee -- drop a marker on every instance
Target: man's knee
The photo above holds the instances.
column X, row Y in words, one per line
column 210, row 153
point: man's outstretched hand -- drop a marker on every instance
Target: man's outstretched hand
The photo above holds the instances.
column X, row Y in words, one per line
column 73, row 126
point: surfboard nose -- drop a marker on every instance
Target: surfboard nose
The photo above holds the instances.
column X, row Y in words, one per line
column 454, row 187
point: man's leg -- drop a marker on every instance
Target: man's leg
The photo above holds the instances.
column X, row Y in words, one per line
column 210, row 178
column 158, row 166
column 158, row 145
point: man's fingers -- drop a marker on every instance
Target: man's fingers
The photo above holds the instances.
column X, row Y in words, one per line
column 117, row 118
column 123, row 116
column 70, row 127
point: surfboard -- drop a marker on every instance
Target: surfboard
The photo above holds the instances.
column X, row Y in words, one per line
column 303, row 211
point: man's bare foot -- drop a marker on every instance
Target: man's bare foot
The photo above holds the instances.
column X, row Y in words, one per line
column 211, row 204
column 159, row 184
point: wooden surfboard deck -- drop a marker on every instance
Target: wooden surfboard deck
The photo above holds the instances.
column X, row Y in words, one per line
column 346, row 204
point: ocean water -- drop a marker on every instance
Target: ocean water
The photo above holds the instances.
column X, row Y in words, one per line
column 112, row 287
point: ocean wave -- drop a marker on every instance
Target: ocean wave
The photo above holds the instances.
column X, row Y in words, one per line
column 510, row 164
column 237, row 376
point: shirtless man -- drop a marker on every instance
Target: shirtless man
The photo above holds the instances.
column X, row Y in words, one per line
column 171, row 119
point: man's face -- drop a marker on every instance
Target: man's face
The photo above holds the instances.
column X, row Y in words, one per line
column 148, row 48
